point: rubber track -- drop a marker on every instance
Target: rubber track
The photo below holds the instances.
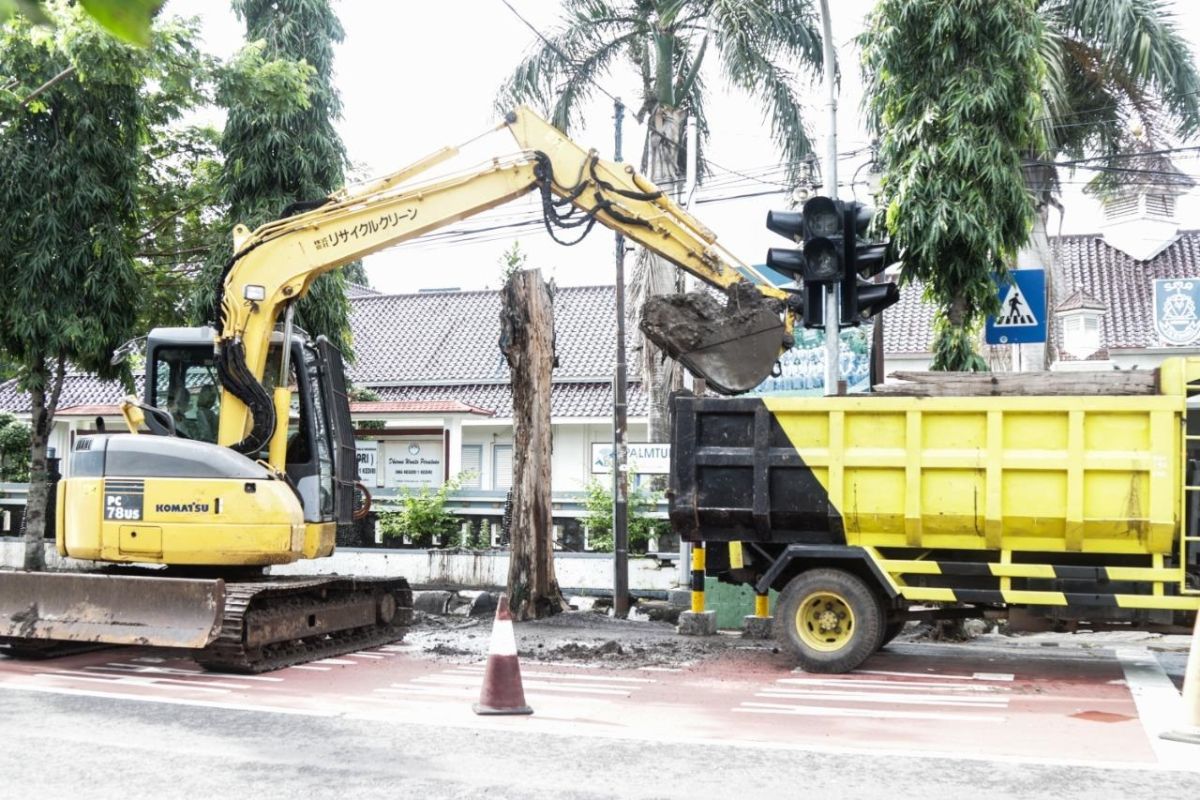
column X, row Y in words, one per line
column 288, row 596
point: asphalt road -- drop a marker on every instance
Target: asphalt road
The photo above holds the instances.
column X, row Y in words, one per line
column 919, row 721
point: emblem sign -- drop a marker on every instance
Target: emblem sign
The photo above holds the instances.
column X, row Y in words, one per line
column 1175, row 310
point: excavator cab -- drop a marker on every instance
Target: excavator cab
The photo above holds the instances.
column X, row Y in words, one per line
column 322, row 468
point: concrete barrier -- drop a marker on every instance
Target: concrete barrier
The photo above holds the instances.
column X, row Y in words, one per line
column 482, row 569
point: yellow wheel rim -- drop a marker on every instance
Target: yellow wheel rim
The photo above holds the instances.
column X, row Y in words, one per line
column 825, row 622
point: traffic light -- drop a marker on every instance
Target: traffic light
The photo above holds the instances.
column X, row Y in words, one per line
column 819, row 263
column 864, row 258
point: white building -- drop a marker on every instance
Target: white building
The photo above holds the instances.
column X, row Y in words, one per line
column 445, row 408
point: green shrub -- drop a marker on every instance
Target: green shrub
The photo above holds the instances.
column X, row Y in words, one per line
column 422, row 516
column 14, row 449
column 599, row 517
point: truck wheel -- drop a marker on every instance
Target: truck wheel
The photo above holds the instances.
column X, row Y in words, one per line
column 831, row 620
column 891, row 631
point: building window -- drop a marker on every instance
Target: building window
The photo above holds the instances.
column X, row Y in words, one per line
column 1081, row 334
column 502, row 456
column 472, row 466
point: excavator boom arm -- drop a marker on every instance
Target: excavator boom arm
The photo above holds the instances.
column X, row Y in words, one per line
column 276, row 264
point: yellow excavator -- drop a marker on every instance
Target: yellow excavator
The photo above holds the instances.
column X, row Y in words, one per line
column 241, row 453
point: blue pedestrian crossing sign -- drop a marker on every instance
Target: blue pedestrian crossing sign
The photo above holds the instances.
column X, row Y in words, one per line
column 1022, row 317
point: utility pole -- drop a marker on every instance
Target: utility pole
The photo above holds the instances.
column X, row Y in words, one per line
column 620, row 456
column 833, row 338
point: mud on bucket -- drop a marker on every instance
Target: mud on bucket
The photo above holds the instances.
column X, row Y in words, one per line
column 734, row 346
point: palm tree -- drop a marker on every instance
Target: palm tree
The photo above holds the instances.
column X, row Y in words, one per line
column 1110, row 67
column 761, row 46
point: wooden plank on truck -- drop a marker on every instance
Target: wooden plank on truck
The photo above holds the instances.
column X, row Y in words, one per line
column 976, row 384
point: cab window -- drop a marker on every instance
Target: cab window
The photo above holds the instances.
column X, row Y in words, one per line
column 186, row 387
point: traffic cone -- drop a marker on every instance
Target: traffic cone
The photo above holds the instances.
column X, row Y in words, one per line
column 501, row 692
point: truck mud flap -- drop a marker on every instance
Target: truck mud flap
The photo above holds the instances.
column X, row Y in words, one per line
column 111, row 609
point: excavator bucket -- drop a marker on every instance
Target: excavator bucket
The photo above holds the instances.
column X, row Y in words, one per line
column 734, row 347
column 110, row 609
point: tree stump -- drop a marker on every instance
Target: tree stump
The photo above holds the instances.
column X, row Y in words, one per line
column 527, row 341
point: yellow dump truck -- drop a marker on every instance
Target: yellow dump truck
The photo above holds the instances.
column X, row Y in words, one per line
column 860, row 510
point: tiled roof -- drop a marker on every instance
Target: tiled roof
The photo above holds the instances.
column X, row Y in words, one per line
column 567, row 399
column 1124, row 286
column 908, row 325
column 1088, row 273
column 354, row 290
column 415, row 407
column 79, row 389
column 96, row 410
column 442, row 349
column 453, row 337
column 1078, row 301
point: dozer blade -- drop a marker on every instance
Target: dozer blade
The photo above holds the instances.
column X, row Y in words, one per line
column 734, row 346
column 111, row 609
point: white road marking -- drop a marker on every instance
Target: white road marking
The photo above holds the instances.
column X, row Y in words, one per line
column 978, row 676
column 454, row 680
column 175, row 701
column 873, row 713
column 893, row 685
column 340, row 661
column 660, row 669
column 310, row 667
column 891, row 699
column 152, row 670
column 161, row 683
column 535, row 674
column 1159, row 706
column 430, row 691
column 364, row 655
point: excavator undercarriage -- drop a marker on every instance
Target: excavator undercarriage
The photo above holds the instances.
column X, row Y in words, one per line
column 245, row 624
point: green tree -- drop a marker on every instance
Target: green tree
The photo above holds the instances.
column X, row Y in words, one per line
column 759, row 44
column 14, row 449
column 1111, row 68
column 1112, row 64
column 275, row 158
column 128, row 19
column 68, row 209
column 598, row 504
column 952, row 91
column 179, row 174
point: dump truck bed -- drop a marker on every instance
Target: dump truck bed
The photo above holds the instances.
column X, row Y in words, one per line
column 1044, row 500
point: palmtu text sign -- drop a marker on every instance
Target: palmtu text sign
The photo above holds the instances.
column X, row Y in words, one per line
column 644, row 459
column 1022, row 317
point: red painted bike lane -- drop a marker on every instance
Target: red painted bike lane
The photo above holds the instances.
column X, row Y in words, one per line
column 1053, row 710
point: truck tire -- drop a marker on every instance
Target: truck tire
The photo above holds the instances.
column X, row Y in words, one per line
column 831, row 620
column 890, row 631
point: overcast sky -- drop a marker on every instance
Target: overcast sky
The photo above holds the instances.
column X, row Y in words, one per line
column 417, row 76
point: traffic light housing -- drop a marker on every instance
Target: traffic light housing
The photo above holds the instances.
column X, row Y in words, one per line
column 820, row 261
column 864, row 258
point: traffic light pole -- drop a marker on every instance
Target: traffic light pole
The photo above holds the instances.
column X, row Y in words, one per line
column 833, row 372
column 620, row 424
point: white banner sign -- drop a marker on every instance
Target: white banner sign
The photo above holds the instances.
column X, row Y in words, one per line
column 644, row 459
column 413, row 463
column 368, row 461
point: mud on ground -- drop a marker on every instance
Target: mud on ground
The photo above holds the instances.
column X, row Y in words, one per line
column 581, row 636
